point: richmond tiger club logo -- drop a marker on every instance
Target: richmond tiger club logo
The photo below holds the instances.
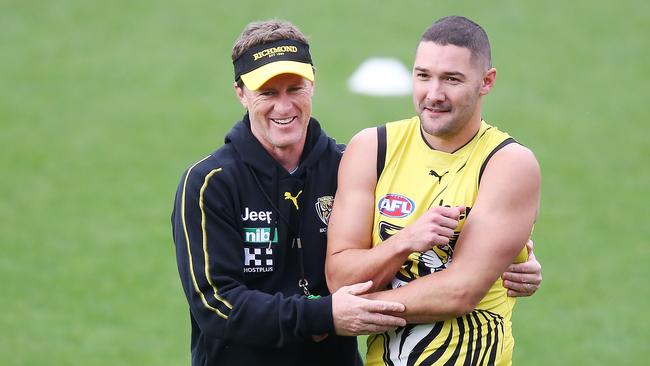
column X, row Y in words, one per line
column 433, row 260
column 324, row 209
column 395, row 206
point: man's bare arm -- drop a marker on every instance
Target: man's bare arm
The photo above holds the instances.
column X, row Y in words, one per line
column 500, row 222
column 350, row 258
column 350, row 255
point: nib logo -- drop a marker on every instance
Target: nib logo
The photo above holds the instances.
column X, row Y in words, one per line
column 259, row 235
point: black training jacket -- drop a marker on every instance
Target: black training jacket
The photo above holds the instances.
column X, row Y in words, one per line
column 236, row 218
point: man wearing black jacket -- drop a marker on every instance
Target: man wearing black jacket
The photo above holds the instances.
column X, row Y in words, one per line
column 250, row 223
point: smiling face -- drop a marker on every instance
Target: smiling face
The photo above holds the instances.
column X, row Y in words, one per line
column 448, row 86
column 279, row 112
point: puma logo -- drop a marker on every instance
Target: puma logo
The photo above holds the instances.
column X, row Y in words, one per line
column 433, row 173
column 288, row 196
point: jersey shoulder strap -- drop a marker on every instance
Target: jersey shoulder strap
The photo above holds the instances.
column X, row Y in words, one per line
column 381, row 149
column 505, row 142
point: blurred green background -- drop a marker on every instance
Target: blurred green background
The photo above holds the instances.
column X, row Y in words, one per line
column 104, row 104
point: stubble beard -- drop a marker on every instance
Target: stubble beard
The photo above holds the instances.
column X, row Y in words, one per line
column 440, row 127
column 451, row 122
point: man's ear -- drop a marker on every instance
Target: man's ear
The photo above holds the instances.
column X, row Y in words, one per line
column 489, row 78
column 241, row 95
column 313, row 87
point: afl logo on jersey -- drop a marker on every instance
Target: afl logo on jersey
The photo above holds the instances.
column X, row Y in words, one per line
column 395, row 205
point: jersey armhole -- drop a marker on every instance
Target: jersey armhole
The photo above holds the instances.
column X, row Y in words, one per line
column 381, row 149
column 505, row 142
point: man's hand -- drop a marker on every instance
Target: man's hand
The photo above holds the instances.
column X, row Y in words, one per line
column 434, row 228
column 523, row 279
column 353, row 315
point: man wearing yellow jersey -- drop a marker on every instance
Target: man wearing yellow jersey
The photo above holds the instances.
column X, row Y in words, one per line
column 446, row 209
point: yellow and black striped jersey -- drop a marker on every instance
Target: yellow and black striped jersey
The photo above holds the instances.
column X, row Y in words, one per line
column 414, row 178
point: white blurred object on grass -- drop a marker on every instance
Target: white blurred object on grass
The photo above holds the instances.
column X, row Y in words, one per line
column 381, row 76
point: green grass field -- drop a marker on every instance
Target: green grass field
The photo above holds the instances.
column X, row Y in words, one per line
column 104, row 104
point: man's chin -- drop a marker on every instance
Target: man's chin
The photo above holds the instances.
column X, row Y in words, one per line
column 433, row 123
column 287, row 142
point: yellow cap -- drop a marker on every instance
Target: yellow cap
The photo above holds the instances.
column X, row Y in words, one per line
column 256, row 78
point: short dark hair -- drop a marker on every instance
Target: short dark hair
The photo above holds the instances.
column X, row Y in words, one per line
column 256, row 33
column 462, row 32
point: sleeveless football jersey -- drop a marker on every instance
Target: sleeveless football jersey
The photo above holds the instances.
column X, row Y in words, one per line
column 415, row 178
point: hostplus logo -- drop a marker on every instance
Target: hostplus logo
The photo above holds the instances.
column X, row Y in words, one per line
column 258, row 253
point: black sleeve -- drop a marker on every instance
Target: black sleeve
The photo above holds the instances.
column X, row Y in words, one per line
column 209, row 254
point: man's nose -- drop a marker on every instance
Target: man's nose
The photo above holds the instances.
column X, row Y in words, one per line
column 284, row 103
column 435, row 93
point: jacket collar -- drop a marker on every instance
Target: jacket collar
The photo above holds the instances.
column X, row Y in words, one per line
column 253, row 153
